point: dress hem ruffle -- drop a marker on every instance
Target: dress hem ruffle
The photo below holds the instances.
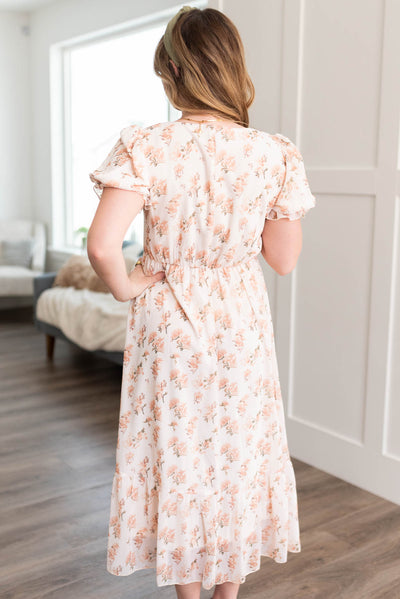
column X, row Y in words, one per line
column 207, row 588
column 229, row 530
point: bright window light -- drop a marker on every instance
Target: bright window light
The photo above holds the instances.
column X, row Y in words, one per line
column 110, row 84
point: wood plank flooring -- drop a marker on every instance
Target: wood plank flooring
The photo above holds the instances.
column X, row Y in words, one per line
column 58, row 438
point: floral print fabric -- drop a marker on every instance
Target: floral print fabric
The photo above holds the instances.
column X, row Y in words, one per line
column 204, row 485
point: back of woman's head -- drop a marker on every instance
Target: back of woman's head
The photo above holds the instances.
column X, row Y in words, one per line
column 212, row 75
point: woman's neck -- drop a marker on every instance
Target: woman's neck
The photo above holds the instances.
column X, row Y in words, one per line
column 206, row 117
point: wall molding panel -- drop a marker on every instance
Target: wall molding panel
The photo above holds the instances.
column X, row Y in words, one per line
column 341, row 409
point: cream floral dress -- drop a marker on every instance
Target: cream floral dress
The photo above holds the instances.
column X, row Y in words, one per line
column 204, row 485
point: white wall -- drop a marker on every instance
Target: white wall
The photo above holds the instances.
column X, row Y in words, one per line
column 15, row 117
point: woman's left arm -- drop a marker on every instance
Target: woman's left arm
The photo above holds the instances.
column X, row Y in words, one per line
column 115, row 212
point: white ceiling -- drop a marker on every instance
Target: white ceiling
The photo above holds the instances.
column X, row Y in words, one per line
column 19, row 5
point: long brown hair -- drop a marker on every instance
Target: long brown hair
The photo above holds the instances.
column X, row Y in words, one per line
column 212, row 74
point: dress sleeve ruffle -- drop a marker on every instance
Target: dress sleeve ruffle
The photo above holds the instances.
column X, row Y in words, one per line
column 125, row 166
column 294, row 199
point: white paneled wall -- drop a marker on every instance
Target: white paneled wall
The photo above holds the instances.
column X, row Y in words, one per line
column 341, row 74
column 337, row 315
column 391, row 442
column 330, row 318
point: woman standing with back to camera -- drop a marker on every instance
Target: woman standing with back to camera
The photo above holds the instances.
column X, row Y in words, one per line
column 204, row 484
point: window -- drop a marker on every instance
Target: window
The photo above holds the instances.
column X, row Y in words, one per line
column 108, row 84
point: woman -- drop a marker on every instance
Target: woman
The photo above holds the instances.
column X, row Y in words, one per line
column 204, row 484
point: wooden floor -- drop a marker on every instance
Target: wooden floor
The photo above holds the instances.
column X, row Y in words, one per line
column 58, row 440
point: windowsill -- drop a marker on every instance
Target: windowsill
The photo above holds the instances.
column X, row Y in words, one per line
column 66, row 250
column 77, row 251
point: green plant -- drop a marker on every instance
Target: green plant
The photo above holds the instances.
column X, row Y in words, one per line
column 82, row 231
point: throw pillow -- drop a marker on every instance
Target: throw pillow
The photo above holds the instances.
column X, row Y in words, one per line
column 78, row 272
column 16, row 252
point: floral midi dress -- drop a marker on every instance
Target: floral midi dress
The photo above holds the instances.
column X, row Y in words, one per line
column 204, row 485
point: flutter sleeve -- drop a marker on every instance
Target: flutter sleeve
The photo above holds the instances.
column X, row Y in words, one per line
column 124, row 166
column 294, row 198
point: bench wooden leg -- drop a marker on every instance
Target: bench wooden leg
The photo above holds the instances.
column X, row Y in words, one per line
column 50, row 340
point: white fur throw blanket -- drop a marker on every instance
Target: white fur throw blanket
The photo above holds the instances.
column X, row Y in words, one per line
column 90, row 319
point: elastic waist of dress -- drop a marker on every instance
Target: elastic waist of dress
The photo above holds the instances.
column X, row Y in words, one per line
column 150, row 264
